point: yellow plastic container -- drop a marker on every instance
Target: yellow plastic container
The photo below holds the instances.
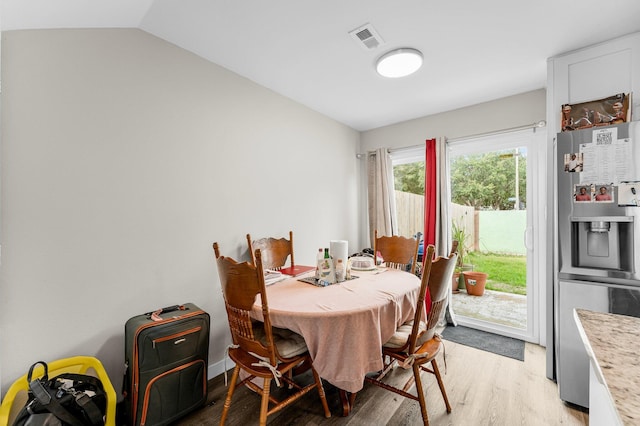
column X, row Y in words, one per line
column 17, row 394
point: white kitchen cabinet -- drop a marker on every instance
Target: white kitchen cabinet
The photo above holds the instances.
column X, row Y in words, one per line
column 592, row 73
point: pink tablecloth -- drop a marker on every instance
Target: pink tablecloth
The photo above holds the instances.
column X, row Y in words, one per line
column 344, row 325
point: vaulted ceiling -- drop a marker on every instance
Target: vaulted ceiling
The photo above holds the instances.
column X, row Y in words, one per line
column 474, row 51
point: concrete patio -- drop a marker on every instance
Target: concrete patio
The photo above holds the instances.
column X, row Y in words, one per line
column 493, row 306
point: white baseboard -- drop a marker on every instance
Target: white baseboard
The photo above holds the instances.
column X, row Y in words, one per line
column 219, row 367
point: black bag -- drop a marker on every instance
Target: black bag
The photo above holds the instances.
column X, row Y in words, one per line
column 65, row 400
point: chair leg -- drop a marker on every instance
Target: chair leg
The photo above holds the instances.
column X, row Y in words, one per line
column 420, row 392
column 227, row 401
column 323, row 397
column 264, row 406
column 436, row 371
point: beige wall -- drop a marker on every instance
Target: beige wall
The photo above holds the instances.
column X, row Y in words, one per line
column 513, row 111
column 123, row 159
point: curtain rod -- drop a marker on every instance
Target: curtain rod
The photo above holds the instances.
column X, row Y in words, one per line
column 537, row 125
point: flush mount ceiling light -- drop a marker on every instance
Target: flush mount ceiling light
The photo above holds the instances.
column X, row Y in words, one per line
column 399, row 62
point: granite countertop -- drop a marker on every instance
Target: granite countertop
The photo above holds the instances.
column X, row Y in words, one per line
column 614, row 342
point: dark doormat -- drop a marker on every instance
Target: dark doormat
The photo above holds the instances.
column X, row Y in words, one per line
column 501, row 345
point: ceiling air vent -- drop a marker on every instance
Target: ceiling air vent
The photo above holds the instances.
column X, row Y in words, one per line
column 367, row 37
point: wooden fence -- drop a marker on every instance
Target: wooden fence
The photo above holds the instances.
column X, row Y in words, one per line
column 467, row 218
column 410, row 208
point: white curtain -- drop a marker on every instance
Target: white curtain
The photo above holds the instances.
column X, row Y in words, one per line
column 381, row 196
column 443, row 219
column 443, row 215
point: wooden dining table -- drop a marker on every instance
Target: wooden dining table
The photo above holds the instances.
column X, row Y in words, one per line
column 344, row 325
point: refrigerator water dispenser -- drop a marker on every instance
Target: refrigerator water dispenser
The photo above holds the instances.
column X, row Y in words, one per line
column 603, row 243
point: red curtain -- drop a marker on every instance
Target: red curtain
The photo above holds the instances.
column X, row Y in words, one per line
column 430, row 208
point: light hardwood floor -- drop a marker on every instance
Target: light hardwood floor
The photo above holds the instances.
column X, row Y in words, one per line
column 483, row 389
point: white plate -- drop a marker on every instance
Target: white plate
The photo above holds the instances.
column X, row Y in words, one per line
column 362, row 263
column 355, row 268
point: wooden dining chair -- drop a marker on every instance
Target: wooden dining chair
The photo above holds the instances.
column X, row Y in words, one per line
column 397, row 252
column 259, row 349
column 415, row 344
column 274, row 251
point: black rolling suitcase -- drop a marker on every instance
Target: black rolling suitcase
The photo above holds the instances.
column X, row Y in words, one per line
column 166, row 357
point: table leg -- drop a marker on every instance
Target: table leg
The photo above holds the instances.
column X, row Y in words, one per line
column 348, row 400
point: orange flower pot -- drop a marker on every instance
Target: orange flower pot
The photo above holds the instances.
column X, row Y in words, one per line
column 455, row 281
column 475, row 282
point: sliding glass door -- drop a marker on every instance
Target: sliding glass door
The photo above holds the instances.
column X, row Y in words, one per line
column 494, row 185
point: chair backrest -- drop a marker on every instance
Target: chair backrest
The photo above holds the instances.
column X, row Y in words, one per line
column 241, row 283
column 436, row 277
column 274, row 251
column 398, row 252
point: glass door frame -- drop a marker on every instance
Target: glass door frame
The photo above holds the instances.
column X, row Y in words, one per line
column 535, row 238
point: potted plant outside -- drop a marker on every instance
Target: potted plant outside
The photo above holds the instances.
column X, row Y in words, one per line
column 464, row 276
column 459, row 233
column 475, row 282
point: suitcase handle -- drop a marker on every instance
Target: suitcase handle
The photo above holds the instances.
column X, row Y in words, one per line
column 155, row 315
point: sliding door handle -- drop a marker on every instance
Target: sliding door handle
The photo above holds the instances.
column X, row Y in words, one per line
column 527, row 239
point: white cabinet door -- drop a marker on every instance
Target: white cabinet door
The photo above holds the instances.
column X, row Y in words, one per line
column 592, row 73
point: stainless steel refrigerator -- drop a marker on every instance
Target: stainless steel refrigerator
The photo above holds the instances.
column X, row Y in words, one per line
column 598, row 240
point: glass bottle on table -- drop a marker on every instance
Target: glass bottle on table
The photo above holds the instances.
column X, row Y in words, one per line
column 327, row 263
column 327, row 270
column 319, row 259
column 340, row 271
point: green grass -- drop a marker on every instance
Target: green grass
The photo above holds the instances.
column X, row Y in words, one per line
column 506, row 273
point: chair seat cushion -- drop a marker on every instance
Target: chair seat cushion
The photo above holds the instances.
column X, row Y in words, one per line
column 289, row 344
column 401, row 336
